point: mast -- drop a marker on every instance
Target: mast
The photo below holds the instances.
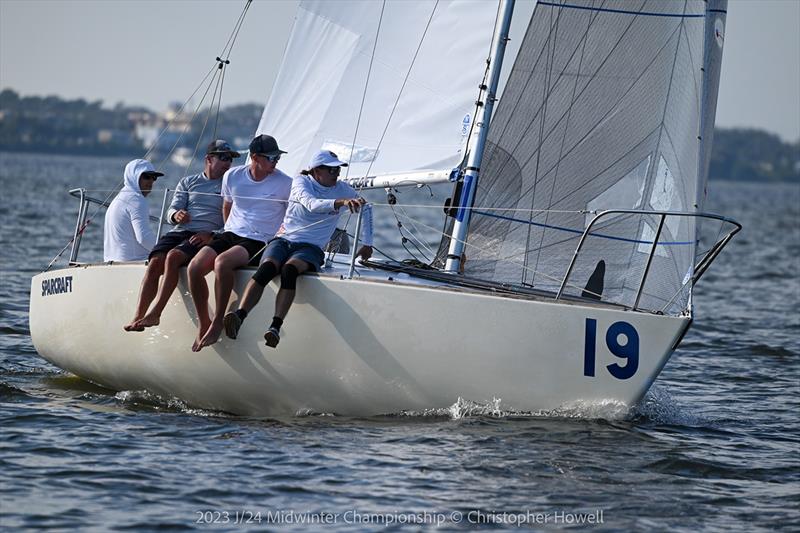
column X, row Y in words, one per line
column 477, row 143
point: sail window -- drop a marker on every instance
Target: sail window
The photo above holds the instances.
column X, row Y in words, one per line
column 350, row 152
column 627, row 193
column 665, row 195
column 646, row 238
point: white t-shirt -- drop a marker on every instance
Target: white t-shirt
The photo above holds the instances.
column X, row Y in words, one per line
column 258, row 206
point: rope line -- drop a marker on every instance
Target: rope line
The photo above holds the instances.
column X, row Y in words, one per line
column 415, row 206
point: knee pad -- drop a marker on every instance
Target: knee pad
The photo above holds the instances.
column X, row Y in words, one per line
column 265, row 273
column 289, row 277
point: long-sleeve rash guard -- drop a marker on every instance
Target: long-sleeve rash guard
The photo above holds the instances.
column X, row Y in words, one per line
column 128, row 235
column 311, row 217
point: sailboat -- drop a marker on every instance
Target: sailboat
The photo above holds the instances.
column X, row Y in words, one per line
column 571, row 241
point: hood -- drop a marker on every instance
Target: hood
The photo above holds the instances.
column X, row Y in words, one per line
column 133, row 170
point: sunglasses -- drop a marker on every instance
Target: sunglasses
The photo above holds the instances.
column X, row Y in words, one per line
column 150, row 177
column 225, row 158
column 334, row 171
column 270, row 158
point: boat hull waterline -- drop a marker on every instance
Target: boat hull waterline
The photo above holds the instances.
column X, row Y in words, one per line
column 363, row 346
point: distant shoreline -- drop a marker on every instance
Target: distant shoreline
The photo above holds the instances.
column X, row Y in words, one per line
column 129, row 155
column 51, row 125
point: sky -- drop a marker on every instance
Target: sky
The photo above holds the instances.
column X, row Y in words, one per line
column 153, row 52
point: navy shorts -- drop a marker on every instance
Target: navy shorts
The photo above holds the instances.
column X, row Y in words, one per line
column 175, row 240
column 282, row 250
column 227, row 240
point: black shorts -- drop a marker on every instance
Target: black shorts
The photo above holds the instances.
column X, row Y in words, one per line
column 227, row 240
column 175, row 240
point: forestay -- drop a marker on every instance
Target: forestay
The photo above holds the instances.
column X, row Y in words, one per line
column 418, row 83
column 603, row 109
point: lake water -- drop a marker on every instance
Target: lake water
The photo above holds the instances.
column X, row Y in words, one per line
column 714, row 446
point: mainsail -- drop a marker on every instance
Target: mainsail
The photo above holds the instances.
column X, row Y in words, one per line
column 394, row 80
column 605, row 108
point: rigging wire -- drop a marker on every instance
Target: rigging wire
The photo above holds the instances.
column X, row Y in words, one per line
column 219, row 100
column 366, row 85
column 403, row 86
column 412, row 236
column 494, row 254
column 191, row 120
column 211, row 71
column 235, row 32
column 114, row 191
column 208, row 115
column 219, row 65
column 439, row 256
column 397, row 99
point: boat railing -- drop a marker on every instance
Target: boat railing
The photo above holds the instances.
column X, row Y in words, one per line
column 83, row 209
column 700, row 266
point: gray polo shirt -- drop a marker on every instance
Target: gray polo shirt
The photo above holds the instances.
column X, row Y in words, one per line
column 199, row 196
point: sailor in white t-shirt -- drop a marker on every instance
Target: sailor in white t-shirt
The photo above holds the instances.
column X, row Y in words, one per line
column 317, row 196
column 254, row 203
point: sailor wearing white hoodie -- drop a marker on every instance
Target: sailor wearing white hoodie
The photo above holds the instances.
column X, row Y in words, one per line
column 127, row 232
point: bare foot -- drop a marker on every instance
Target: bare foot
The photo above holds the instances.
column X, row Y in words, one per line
column 211, row 336
column 202, row 328
column 133, row 326
column 149, row 320
column 196, row 346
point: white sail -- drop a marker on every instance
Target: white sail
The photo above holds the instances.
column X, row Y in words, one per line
column 603, row 110
column 421, row 81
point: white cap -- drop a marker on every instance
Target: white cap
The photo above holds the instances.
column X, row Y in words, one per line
column 326, row 158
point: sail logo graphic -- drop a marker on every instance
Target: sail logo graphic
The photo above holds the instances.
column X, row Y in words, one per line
column 465, row 124
column 56, row 285
column 719, row 32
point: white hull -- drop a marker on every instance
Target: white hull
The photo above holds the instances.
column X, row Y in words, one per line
column 355, row 347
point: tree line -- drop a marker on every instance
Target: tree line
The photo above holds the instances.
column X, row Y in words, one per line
column 54, row 125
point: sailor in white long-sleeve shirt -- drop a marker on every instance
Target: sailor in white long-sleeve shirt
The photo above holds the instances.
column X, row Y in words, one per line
column 311, row 217
column 127, row 233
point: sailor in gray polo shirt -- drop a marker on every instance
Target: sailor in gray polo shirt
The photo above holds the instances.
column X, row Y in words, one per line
column 196, row 211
